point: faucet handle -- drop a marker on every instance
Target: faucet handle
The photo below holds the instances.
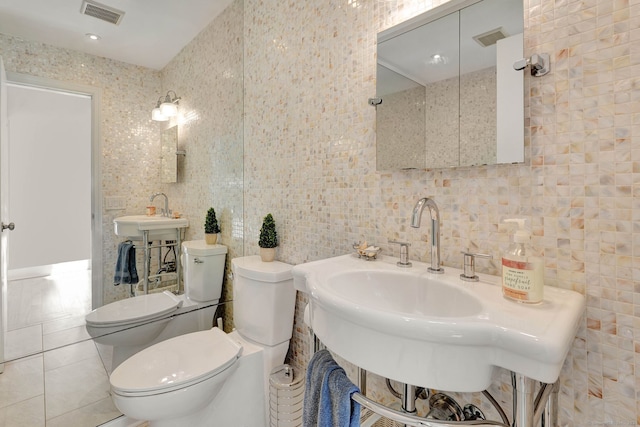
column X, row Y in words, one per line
column 404, row 254
column 469, row 274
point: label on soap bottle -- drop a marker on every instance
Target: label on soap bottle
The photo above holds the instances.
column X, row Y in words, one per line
column 522, row 281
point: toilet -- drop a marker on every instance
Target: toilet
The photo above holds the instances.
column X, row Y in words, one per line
column 133, row 324
column 210, row 378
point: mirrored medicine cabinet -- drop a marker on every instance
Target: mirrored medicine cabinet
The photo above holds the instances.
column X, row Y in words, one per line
column 169, row 155
column 447, row 92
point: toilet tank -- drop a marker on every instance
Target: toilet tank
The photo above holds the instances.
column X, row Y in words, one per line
column 264, row 300
column 203, row 270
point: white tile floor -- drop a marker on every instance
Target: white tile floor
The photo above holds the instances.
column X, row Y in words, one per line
column 55, row 375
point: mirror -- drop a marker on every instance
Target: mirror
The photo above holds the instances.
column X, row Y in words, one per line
column 169, row 155
column 450, row 95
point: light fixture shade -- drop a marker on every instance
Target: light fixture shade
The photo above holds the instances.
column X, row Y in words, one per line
column 157, row 115
column 168, row 109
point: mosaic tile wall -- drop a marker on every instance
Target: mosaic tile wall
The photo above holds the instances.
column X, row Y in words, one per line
column 310, row 160
column 130, row 140
column 207, row 74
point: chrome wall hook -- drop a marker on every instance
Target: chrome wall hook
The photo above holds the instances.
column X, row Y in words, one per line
column 540, row 64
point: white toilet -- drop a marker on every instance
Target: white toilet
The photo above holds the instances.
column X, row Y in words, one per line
column 209, row 378
column 133, row 324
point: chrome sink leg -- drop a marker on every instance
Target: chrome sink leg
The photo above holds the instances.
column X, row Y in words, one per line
column 409, row 399
column 523, row 400
column 550, row 413
column 362, row 381
column 147, row 262
column 178, row 247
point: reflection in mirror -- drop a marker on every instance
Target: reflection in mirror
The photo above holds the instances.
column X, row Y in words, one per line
column 169, row 157
column 450, row 72
column 52, row 363
column 119, row 342
column 401, row 113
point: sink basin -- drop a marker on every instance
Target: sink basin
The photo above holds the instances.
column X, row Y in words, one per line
column 435, row 330
column 159, row 227
column 402, row 293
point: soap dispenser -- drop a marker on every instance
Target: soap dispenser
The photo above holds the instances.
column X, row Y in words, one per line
column 522, row 271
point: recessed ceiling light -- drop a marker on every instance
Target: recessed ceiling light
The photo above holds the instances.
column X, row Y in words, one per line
column 438, row 59
column 92, row 36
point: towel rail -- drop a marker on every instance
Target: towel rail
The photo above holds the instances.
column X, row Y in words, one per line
column 152, row 246
column 414, row 421
column 402, row 417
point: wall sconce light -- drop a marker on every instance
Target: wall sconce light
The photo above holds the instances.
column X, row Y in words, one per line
column 167, row 106
column 156, row 114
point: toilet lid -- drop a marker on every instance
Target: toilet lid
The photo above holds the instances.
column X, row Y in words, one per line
column 132, row 310
column 176, row 363
column 252, row 267
column 201, row 248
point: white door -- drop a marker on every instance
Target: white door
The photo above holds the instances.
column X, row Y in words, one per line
column 96, row 158
column 4, row 211
column 51, row 168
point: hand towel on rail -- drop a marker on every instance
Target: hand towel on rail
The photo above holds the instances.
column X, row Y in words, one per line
column 327, row 398
column 126, row 272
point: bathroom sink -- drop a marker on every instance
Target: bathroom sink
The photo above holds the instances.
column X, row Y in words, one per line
column 159, row 227
column 435, row 330
column 402, row 293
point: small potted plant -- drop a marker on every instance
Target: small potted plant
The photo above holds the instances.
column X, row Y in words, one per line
column 211, row 227
column 268, row 239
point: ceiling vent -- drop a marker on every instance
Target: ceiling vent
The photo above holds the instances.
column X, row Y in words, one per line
column 100, row 11
column 490, row 37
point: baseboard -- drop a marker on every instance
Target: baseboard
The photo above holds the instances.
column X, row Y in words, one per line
column 47, row 270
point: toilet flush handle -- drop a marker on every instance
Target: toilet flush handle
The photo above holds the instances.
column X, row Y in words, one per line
column 198, row 261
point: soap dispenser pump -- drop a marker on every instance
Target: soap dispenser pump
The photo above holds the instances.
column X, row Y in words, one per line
column 522, row 271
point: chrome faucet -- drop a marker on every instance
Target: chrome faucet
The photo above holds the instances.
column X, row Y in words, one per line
column 435, row 230
column 165, row 211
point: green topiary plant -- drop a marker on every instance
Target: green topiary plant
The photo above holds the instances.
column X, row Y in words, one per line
column 268, row 235
column 211, row 223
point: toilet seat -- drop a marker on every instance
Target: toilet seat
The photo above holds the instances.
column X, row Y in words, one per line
column 176, row 363
column 138, row 309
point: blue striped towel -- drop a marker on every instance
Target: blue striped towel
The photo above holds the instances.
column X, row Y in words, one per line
column 126, row 272
column 327, row 397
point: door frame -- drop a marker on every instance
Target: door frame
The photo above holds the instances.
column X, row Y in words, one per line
column 4, row 195
column 96, row 168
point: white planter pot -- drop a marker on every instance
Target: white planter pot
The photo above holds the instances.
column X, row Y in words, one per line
column 267, row 254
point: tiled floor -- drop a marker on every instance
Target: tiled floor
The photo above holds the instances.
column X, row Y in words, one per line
column 55, row 375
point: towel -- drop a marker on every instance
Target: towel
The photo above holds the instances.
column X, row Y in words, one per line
column 327, row 397
column 126, row 272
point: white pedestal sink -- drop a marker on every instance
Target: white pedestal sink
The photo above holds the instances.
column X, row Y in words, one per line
column 159, row 227
column 433, row 330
